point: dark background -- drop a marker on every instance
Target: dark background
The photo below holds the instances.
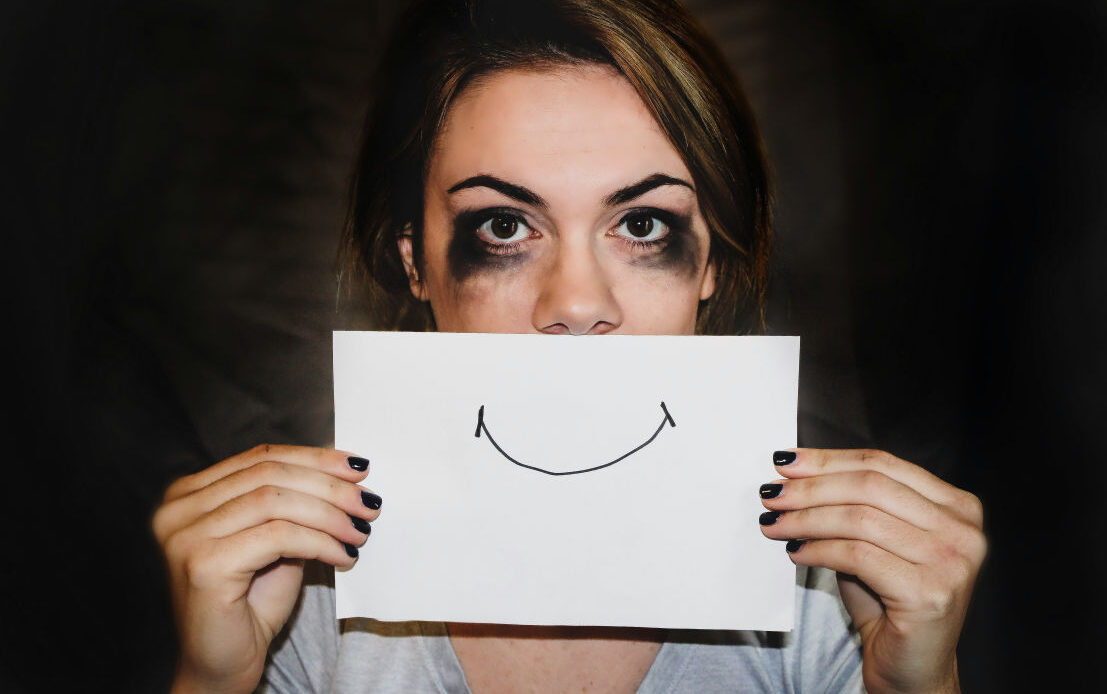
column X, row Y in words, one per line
column 172, row 187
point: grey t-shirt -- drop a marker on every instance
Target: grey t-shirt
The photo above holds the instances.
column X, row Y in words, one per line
column 317, row 653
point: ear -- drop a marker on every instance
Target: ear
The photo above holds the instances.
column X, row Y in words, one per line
column 407, row 254
column 707, row 286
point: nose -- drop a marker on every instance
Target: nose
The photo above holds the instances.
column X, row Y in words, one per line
column 576, row 296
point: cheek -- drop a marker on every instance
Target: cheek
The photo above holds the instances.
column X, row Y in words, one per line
column 660, row 294
column 656, row 305
column 679, row 259
column 483, row 302
column 466, row 258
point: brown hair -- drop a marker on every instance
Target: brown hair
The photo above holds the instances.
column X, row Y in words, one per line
column 441, row 46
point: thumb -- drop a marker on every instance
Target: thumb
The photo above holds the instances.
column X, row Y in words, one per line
column 273, row 593
column 862, row 604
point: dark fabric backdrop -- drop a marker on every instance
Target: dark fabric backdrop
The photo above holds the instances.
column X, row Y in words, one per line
column 173, row 182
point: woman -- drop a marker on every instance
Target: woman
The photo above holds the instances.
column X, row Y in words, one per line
column 580, row 167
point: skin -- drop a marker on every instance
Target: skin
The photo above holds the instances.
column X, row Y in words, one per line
column 235, row 537
column 907, row 548
column 907, row 545
column 574, row 137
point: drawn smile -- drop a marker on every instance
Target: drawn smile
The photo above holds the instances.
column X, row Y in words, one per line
column 481, row 426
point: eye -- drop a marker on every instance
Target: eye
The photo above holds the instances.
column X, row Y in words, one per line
column 502, row 229
column 642, row 227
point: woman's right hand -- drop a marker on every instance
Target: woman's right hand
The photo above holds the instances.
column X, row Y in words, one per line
column 235, row 537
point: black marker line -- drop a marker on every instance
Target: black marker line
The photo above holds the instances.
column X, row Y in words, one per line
column 668, row 419
column 667, row 415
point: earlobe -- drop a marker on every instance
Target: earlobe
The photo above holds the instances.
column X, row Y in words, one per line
column 707, row 286
column 407, row 254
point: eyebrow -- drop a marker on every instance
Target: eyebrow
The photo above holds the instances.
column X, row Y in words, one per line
column 644, row 186
column 511, row 190
column 529, row 197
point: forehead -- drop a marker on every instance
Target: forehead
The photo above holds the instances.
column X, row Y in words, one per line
column 580, row 125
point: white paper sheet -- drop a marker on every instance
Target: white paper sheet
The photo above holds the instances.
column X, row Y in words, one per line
column 664, row 537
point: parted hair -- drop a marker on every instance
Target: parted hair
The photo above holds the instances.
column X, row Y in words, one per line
column 440, row 46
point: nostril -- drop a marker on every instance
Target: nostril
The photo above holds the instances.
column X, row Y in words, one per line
column 598, row 328
column 576, row 298
column 556, row 329
column 602, row 328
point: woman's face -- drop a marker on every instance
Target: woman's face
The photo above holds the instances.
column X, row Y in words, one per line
column 555, row 204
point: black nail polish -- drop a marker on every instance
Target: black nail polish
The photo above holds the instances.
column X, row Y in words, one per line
column 783, row 457
column 361, row 525
column 371, row 500
column 350, row 550
column 359, row 464
column 768, row 517
column 771, row 491
column 793, row 546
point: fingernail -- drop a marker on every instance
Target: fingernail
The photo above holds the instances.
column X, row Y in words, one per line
column 350, row 550
column 783, row 457
column 371, row 500
column 771, row 491
column 359, row 464
column 361, row 525
column 768, row 517
column 793, row 546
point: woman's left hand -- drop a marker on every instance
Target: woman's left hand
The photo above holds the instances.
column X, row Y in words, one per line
column 907, row 548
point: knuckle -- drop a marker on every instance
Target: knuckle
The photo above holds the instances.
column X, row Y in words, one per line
column 260, row 451
column 944, row 551
column 173, row 547
column 937, row 600
column 872, row 482
column 279, row 530
column 858, row 553
column 981, row 548
column 968, row 541
column 886, row 461
column 975, row 547
column 170, row 492
column 962, row 571
column 860, row 516
column 267, row 495
column 872, row 457
column 177, row 488
column 200, row 569
column 267, row 470
column 970, row 505
column 160, row 523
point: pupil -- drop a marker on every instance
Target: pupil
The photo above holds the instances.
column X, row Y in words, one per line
column 640, row 226
column 503, row 227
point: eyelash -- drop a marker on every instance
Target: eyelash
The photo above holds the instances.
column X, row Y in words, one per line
column 471, row 221
column 676, row 224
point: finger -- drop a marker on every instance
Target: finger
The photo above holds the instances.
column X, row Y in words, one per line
column 855, row 522
column 344, row 494
column 809, row 462
column 865, row 487
column 226, row 566
column 275, row 503
column 341, row 464
column 891, row 577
